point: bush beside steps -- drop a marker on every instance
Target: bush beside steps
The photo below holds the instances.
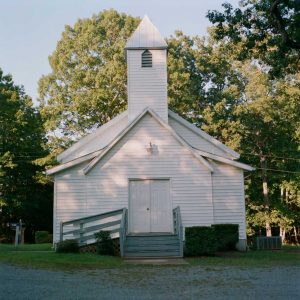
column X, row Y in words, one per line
column 104, row 243
column 206, row 240
column 67, row 246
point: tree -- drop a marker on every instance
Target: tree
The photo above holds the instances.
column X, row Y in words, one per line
column 22, row 194
column 87, row 85
column 233, row 100
column 267, row 30
column 265, row 126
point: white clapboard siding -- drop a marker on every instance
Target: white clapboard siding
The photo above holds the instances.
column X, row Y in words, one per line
column 228, row 195
column 195, row 140
column 106, row 185
column 147, row 87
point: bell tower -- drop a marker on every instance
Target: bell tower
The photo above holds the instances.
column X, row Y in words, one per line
column 146, row 52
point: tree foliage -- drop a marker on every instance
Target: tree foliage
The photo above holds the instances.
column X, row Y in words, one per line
column 219, row 83
column 87, row 85
column 267, row 30
column 22, row 193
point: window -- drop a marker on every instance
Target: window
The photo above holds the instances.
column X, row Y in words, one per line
column 146, row 59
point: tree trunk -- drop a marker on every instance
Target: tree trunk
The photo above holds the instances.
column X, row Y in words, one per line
column 263, row 164
column 295, row 233
column 282, row 234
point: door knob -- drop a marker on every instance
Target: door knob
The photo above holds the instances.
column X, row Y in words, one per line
column 147, row 208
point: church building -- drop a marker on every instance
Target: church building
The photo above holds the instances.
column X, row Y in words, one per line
column 147, row 174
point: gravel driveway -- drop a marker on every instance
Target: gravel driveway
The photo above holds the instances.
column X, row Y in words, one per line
column 152, row 282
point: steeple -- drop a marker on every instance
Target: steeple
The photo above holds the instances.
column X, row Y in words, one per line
column 146, row 52
column 146, row 36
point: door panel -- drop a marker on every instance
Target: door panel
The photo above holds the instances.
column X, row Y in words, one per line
column 160, row 211
column 150, row 206
column 139, row 206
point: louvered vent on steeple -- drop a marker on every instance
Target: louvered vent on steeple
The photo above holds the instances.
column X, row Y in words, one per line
column 146, row 59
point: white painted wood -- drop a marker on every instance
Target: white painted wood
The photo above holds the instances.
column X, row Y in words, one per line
column 73, row 163
column 146, row 36
column 139, row 206
column 86, row 185
column 160, row 206
column 54, row 214
column 96, row 140
column 228, row 196
column 106, row 185
column 150, row 208
column 95, row 161
column 147, row 87
column 225, row 160
column 198, row 138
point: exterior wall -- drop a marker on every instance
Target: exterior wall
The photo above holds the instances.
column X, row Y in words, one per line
column 147, row 87
column 228, row 195
column 69, row 197
column 204, row 198
column 105, row 188
column 194, row 140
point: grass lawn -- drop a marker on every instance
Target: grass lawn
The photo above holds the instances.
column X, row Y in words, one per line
column 43, row 256
column 288, row 256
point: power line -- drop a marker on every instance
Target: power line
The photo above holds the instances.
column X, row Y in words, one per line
column 276, row 170
column 273, row 156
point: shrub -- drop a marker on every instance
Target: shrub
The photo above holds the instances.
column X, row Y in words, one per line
column 227, row 235
column 42, row 237
column 104, row 243
column 200, row 240
column 67, row 246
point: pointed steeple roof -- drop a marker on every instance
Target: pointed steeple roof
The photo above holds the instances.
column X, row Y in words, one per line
column 146, row 36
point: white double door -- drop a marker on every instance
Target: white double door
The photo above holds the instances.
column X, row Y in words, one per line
column 150, row 206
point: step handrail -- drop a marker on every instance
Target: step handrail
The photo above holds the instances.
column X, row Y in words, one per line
column 96, row 217
column 123, row 231
column 85, row 228
column 178, row 229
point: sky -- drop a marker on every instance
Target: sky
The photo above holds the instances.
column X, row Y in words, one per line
column 30, row 29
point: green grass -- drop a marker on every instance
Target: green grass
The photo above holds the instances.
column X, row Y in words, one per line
column 26, row 247
column 43, row 256
column 288, row 256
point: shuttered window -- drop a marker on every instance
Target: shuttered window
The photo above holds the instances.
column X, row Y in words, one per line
column 146, row 59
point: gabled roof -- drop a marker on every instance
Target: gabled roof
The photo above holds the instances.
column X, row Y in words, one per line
column 100, row 138
column 204, row 135
column 225, row 160
column 94, row 156
column 72, row 163
column 146, row 36
column 97, row 159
